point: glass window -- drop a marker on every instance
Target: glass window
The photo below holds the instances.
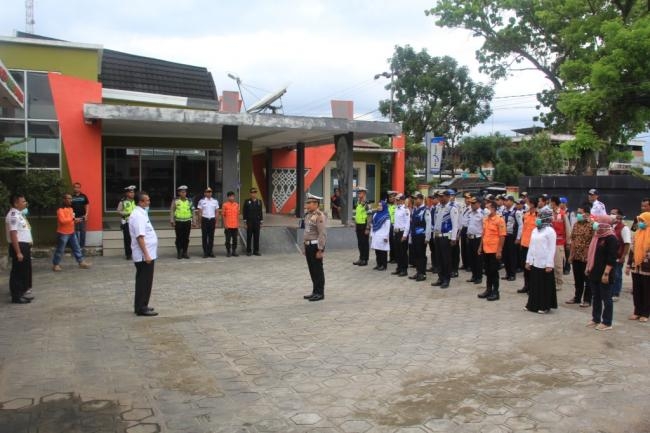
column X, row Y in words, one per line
column 121, row 168
column 192, row 170
column 370, row 181
column 316, row 187
column 39, row 97
column 10, row 112
column 43, row 144
column 10, row 129
column 157, row 168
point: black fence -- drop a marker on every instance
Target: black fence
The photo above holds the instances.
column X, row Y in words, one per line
column 623, row 192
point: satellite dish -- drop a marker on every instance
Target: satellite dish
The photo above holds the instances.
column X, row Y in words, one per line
column 265, row 103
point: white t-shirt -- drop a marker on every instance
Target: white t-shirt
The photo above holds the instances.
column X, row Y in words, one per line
column 208, row 207
column 140, row 225
column 598, row 208
column 16, row 221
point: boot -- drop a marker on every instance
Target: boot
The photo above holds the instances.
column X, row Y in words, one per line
column 494, row 296
column 487, row 293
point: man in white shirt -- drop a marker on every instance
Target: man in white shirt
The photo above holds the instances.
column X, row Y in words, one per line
column 597, row 207
column 474, row 234
column 207, row 208
column 19, row 238
column 401, row 235
column 144, row 246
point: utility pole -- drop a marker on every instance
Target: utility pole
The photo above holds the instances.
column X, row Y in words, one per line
column 29, row 16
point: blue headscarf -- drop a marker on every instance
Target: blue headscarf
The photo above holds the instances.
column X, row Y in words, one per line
column 380, row 217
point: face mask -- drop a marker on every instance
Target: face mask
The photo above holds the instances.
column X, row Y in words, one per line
column 595, row 226
column 25, row 212
column 642, row 225
column 538, row 222
column 580, row 217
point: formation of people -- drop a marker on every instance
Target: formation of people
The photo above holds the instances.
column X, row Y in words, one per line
column 537, row 237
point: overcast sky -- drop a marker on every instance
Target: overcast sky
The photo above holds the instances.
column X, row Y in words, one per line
column 324, row 49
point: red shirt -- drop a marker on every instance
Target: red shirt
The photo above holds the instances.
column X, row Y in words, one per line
column 559, row 227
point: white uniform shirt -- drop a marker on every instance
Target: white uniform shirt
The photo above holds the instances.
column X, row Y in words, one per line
column 208, row 207
column 402, row 220
column 16, row 221
column 475, row 224
column 598, row 208
column 380, row 238
column 541, row 251
column 140, row 225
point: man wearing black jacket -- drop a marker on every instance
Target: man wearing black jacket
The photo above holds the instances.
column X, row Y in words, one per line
column 253, row 218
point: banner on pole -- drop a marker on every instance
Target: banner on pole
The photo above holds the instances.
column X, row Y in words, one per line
column 435, row 146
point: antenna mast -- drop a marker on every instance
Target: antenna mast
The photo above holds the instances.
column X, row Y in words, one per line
column 29, row 16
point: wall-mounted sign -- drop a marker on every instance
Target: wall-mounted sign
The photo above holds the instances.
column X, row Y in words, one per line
column 11, row 95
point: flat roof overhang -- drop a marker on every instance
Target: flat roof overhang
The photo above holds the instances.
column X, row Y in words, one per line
column 262, row 130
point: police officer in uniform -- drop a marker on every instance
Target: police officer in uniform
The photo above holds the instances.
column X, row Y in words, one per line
column 464, row 222
column 361, row 220
column 181, row 218
column 19, row 238
column 474, row 233
column 124, row 208
column 513, row 221
column 208, row 208
column 253, row 218
column 445, row 232
column 401, row 235
column 420, row 232
column 315, row 237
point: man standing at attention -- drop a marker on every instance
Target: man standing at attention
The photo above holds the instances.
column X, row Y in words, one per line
column 314, row 239
column 181, row 214
column 19, row 238
column 124, row 208
column 208, row 207
column 144, row 244
column 80, row 205
column 230, row 218
column 253, row 218
column 361, row 226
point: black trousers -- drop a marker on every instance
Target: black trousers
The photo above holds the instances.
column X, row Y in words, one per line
column 475, row 259
column 420, row 251
column 20, row 278
column 127, row 240
column 443, row 258
column 253, row 234
column 455, row 257
column 231, row 238
column 432, row 251
column 523, row 251
column 182, row 229
column 402, row 251
column 143, row 284
column 382, row 258
column 393, row 246
column 207, row 234
column 640, row 294
column 316, row 272
column 363, row 242
column 510, row 255
column 581, row 283
column 491, row 271
column 464, row 248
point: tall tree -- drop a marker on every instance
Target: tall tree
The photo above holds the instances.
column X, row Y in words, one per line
column 434, row 94
column 594, row 53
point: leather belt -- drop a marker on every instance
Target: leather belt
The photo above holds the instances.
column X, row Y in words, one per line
column 314, row 242
column 473, row 236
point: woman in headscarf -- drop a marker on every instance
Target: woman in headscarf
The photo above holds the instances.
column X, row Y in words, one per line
column 540, row 263
column 639, row 264
column 380, row 234
column 601, row 259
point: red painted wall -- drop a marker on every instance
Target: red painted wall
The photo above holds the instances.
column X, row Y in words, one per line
column 82, row 143
column 399, row 163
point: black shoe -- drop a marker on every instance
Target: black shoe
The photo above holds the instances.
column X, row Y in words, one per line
column 494, row 296
column 396, row 272
column 316, row 298
column 257, row 254
column 454, row 274
column 421, row 277
column 22, row 300
column 444, row 285
column 179, row 255
column 186, row 256
column 357, row 262
column 363, row 263
column 148, row 313
column 392, row 261
column 205, row 256
column 248, row 253
column 403, row 274
column 505, row 278
column 308, row 296
column 478, row 281
column 228, row 253
column 375, row 268
column 511, row 278
column 380, row 268
column 211, row 255
column 437, row 283
column 234, row 253
column 523, row 290
column 484, row 294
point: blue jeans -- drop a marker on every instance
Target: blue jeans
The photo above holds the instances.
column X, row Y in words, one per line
column 602, row 307
column 80, row 231
column 62, row 242
column 617, row 285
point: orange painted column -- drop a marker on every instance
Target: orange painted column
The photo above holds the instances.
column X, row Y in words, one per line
column 399, row 162
column 82, row 143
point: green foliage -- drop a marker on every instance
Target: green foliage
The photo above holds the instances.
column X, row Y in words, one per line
column 8, row 159
column 43, row 189
column 476, row 152
column 596, row 55
column 434, row 94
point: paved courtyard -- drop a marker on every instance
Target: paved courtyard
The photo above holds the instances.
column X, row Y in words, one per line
column 236, row 349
